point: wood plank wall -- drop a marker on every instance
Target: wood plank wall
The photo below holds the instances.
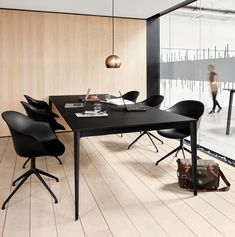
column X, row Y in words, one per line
column 45, row 54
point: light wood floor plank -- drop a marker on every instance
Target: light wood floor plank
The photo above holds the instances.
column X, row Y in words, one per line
column 100, row 234
column 64, row 209
column 227, row 169
column 7, row 166
column 122, row 193
column 18, row 211
column 3, row 145
column 218, row 208
column 42, row 212
column 118, row 221
column 187, row 214
column 201, row 206
column 148, row 198
column 138, row 214
column 90, row 215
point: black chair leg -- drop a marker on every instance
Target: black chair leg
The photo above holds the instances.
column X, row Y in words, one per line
column 182, row 148
column 142, row 134
column 27, row 174
column 58, row 159
column 176, row 154
column 152, row 142
column 183, row 152
column 46, row 186
column 26, row 162
column 24, row 177
column 30, row 158
column 21, row 177
column 155, row 137
column 170, row 153
column 46, row 174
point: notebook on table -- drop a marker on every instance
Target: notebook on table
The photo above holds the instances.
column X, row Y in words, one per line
column 132, row 107
column 78, row 105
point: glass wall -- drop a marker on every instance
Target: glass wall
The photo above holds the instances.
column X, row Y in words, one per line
column 192, row 38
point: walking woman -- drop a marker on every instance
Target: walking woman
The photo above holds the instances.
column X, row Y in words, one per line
column 214, row 88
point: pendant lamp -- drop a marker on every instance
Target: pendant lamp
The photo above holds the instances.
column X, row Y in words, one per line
column 113, row 61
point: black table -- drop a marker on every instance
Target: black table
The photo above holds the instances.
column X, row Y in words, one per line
column 119, row 122
column 229, row 110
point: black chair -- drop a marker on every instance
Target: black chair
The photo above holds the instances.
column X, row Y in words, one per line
column 131, row 95
column 152, row 101
column 32, row 139
column 41, row 116
column 40, row 104
column 190, row 108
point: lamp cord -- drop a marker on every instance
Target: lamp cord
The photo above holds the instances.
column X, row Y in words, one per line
column 112, row 26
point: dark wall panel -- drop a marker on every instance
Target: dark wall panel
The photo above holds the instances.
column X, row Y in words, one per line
column 153, row 56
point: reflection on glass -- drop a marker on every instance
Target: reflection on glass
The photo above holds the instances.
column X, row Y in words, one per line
column 192, row 38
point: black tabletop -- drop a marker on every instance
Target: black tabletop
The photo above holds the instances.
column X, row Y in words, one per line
column 118, row 120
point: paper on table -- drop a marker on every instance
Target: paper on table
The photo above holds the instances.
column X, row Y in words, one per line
column 73, row 105
column 91, row 114
column 119, row 101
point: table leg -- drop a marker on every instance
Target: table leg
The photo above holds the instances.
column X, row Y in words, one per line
column 76, row 171
column 193, row 130
column 229, row 112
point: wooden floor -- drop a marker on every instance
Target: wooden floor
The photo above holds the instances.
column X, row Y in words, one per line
column 122, row 193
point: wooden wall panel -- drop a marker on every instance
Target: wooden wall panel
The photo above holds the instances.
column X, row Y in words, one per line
column 45, row 54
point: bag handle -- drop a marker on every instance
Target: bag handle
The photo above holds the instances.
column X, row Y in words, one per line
column 225, row 181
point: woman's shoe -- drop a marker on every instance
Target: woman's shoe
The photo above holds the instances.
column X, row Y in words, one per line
column 211, row 112
column 219, row 110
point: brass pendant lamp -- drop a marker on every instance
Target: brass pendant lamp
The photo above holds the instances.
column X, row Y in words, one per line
column 113, row 61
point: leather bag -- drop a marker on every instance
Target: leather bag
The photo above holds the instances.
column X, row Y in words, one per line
column 208, row 173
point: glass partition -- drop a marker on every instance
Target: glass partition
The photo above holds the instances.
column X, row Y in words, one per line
column 192, row 38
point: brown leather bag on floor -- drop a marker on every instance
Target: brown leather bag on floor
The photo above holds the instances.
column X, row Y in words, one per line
column 208, row 173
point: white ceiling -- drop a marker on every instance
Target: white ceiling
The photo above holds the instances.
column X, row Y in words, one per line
column 225, row 10
column 123, row 8
column 218, row 4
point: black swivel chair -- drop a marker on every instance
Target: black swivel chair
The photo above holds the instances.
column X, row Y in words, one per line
column 32, row 139
column 131, row 95
column 190, row 108
column 41, row 116
column 152, row 101
column 40, row 104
